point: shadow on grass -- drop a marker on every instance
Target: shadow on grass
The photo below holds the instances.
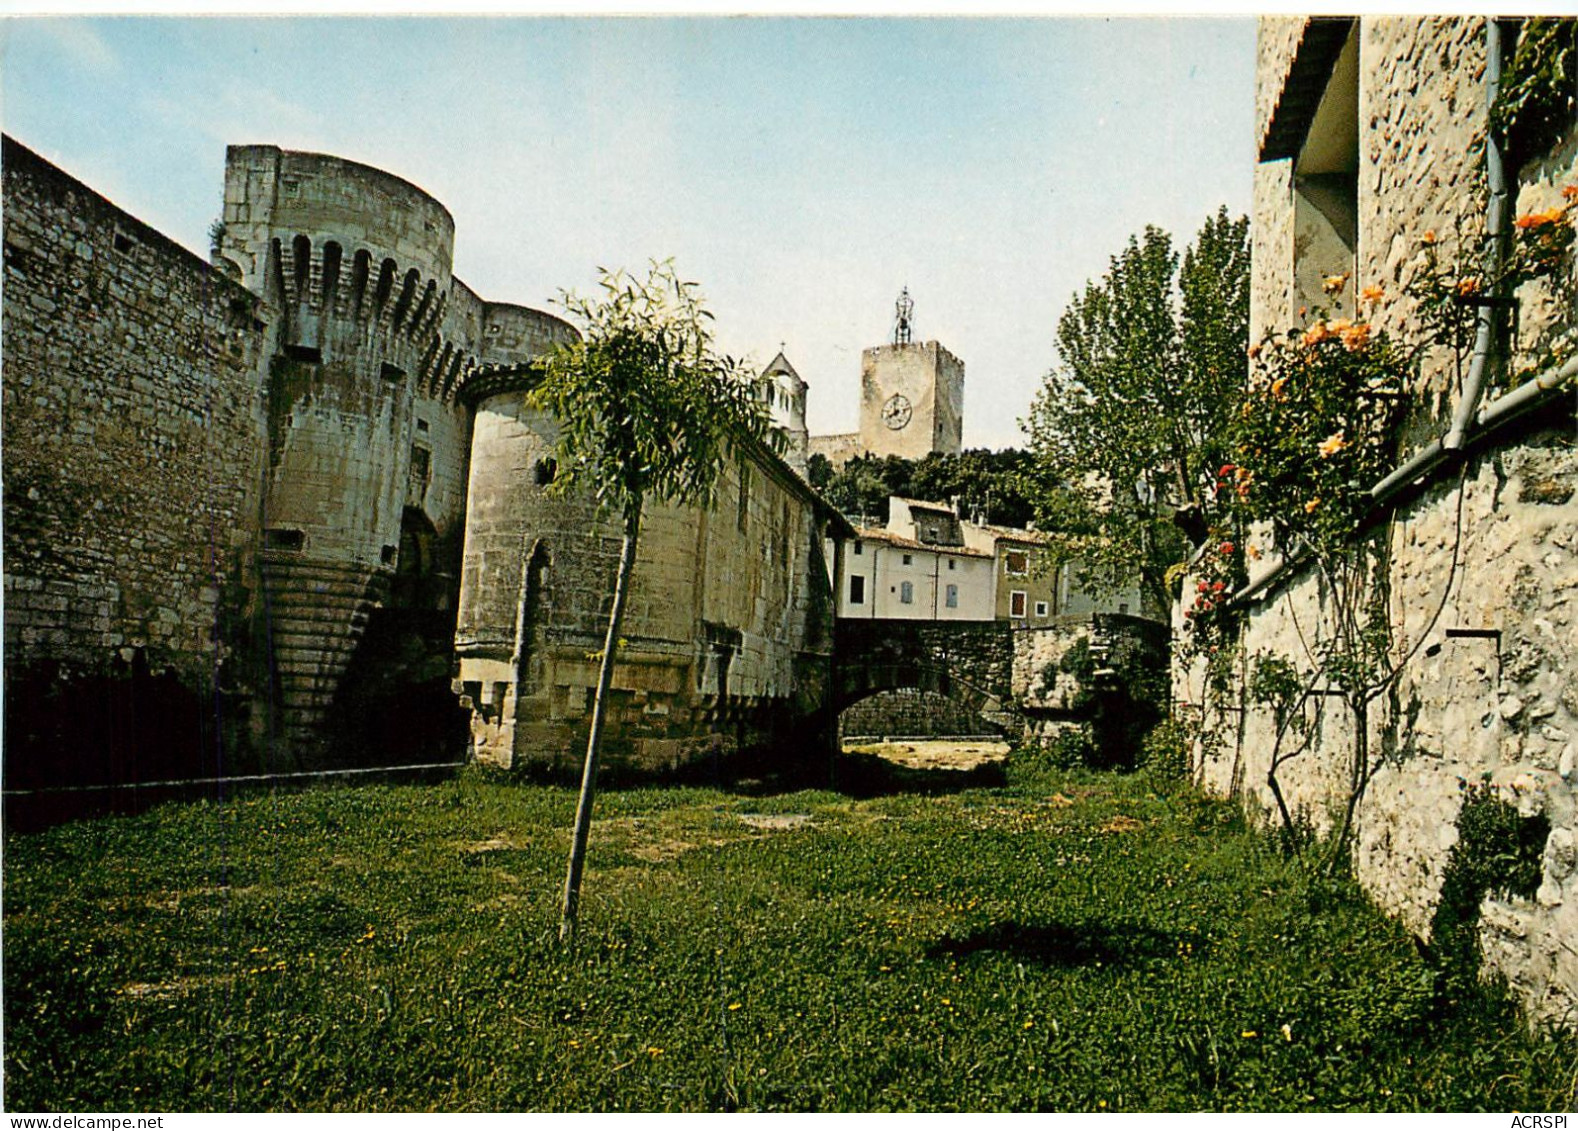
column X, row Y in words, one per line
column 1058, row 944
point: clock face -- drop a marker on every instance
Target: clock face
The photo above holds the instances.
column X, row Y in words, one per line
column 896, row 412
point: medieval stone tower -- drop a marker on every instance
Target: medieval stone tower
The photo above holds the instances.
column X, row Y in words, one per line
column 368, row 406
column 911, row 394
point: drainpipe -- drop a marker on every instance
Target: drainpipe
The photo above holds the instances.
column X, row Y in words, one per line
column 1496, row 238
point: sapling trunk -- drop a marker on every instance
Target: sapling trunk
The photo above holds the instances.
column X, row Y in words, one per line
column 605, row 676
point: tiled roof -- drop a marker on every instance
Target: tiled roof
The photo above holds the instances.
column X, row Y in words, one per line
column 879, row 534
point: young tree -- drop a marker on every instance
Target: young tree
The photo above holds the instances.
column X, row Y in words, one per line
column 1130, row 423
column 646, row 409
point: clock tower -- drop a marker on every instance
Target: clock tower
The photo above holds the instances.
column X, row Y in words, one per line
column 911, row 394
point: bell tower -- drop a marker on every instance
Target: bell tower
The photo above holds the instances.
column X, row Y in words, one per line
column 911, row 393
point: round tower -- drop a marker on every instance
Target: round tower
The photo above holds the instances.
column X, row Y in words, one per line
column 372, row 341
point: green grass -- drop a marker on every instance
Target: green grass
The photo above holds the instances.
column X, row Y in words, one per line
column 1075, row 942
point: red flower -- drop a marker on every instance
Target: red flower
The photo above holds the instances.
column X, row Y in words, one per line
column 1226, row 547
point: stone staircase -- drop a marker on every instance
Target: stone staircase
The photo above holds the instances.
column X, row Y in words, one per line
column 316, row 614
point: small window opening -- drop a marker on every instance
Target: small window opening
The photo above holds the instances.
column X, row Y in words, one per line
column 1326, row 191
column 307, row 355
column 1041, row 608
column 301, row 265
column 421, row 425
column 743, row 516
column 386, row 274
column 361, row 267
column 123, row 241
column 859, row 549
column 331, row 274
column 908, row 560
column 1016, row 603
column 283, row 538
column 544, row 472
column 1017, row 563
column 857, row 589
column 952, row 598
column 390, row 553
column 391, row 372
column 907, row 592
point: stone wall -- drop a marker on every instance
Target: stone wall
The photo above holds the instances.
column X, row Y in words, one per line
column 911, row 713
column 838, row 449
column 727, row 628
column 971, row 662
column 133, row 451
column 1483, row 578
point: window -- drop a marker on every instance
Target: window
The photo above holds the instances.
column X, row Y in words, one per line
column 951, row 563
column 545, row 471
column 421, row 470
column 1316, row 124
column 857, row 589
column 859, row 549
column 1017, row 562
column 1041, row 608
column 952, row 598
column 906, row 593
column 283, row 538
column 907, row 559
column 1016, row 603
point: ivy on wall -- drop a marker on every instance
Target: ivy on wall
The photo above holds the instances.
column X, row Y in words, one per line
column 1537, row 105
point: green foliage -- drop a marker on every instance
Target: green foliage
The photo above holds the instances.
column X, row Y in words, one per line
column 997, row 485
column 1090, row 941
column 1275, row 682
column 1164, row 752
column 1498, row 852
column 644, row 403
column 1317, row 430
column 1135, row 414
column 1538, row 98
column 1456, row 279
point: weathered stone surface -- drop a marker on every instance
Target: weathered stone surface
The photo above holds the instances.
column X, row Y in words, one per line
column 1483, row 586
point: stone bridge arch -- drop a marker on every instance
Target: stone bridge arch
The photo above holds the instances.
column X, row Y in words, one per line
column 970, row 662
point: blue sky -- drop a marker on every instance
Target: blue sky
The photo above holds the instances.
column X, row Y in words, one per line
column 801, row 169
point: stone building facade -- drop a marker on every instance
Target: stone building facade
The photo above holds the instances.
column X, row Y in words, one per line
column 240, row 495
column 1371, row 135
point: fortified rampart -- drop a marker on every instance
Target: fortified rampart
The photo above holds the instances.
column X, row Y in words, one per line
column 728, row 627
column 133, row 452
column 238, row 497
column 1482, row 583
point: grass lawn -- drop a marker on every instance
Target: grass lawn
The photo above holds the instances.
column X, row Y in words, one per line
column 1058, row 942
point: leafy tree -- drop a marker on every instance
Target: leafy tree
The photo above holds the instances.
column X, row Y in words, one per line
column 1129, row 426
column 861, row 487
column 995, row 485
column 646, row 409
